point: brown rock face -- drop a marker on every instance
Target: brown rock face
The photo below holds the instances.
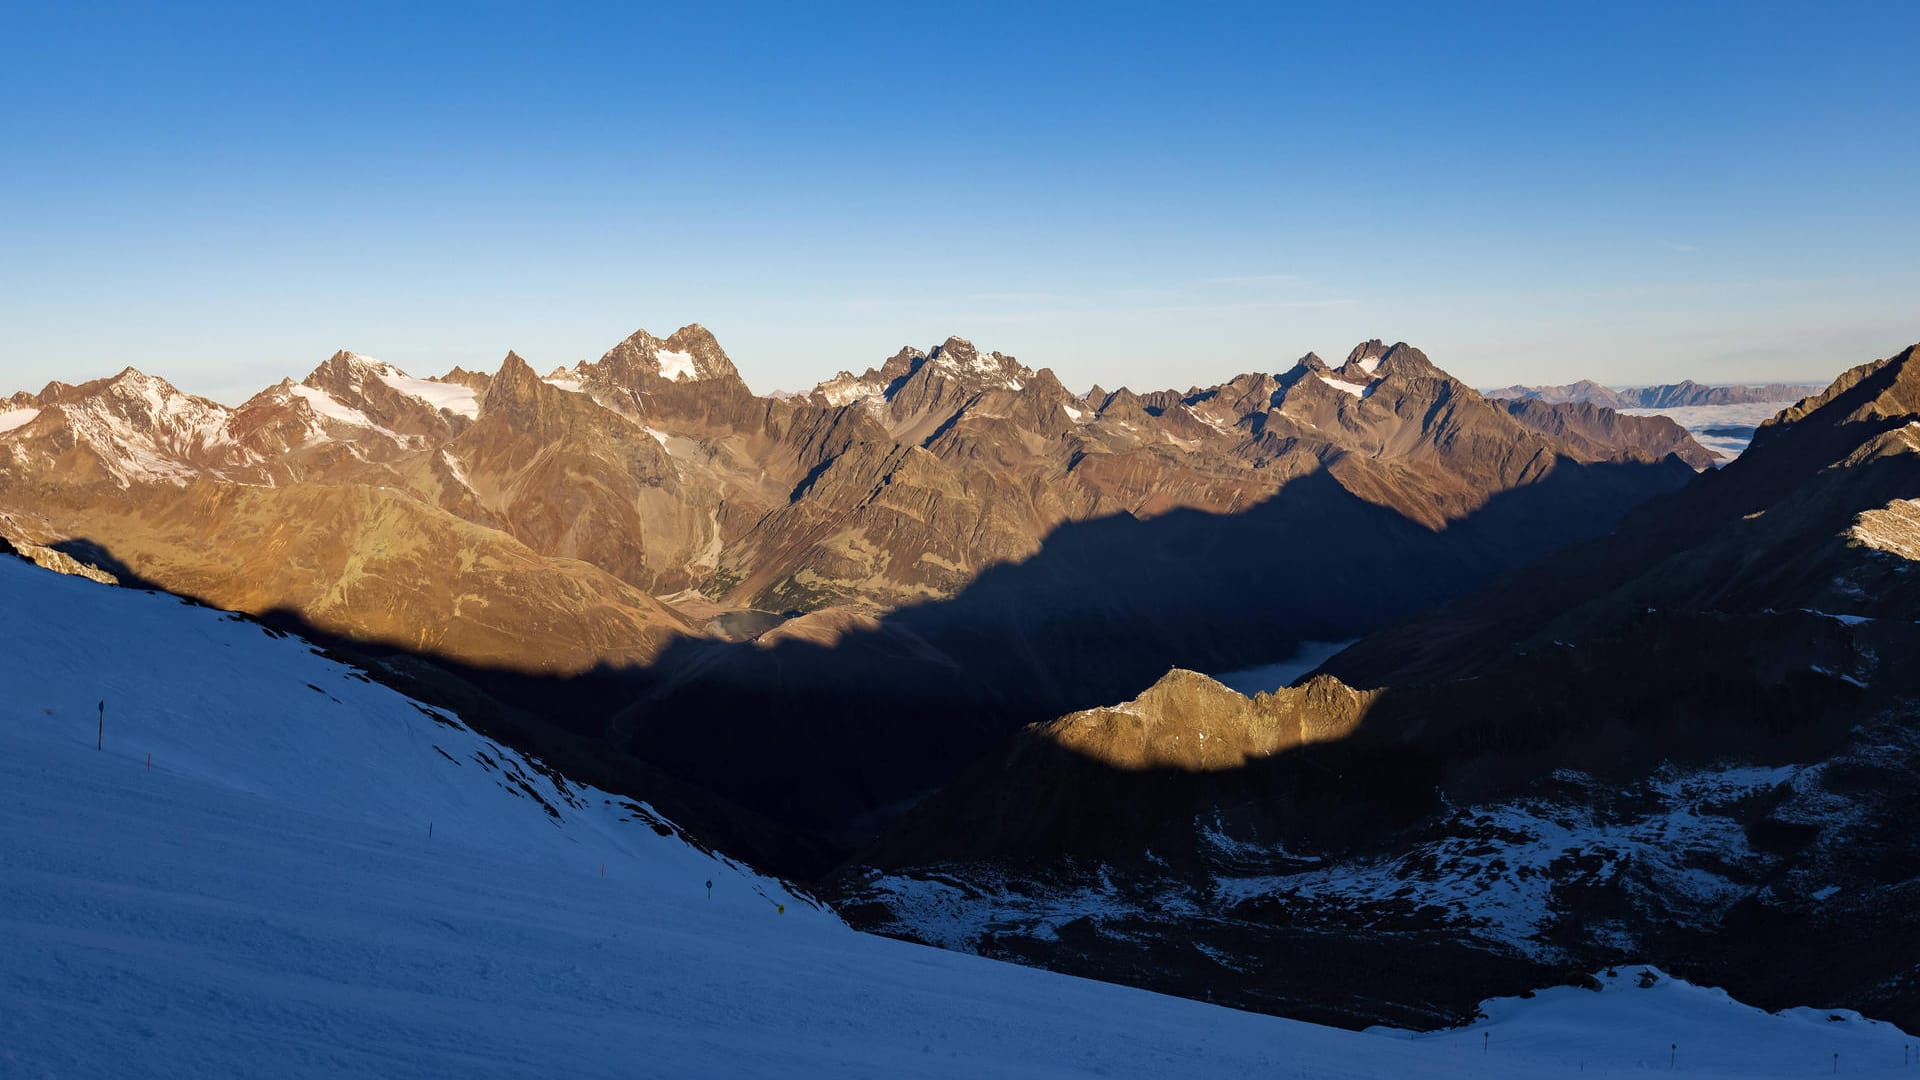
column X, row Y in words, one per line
column 575, row 480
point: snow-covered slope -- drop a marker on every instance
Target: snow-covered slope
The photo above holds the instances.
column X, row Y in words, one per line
column 266, row 899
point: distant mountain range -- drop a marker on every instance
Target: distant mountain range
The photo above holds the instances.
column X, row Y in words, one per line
column 1670, row 396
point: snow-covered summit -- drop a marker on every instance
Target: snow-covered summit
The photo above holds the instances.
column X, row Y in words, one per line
column 133, row 428
column 958, row 356
column 354, row 380
column 956, row 359
column 688, row 355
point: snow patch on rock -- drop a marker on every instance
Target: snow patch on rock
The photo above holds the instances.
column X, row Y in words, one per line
column 678, row 366
column 1359, row 390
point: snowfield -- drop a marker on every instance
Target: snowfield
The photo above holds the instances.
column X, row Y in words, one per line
column 319, row 877
column 446, row 397
column 677, row 366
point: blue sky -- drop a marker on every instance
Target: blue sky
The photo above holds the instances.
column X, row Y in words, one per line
column 1125, row 193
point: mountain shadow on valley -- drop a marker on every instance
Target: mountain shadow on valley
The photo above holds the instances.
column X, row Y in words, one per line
column 839, row 736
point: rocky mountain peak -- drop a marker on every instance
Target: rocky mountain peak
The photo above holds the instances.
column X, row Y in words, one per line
column 690, row 354
column 1372, row 349
column 710, row 361
column 955, row 359
column 630, row 363
column 1369, row 361
column 389, row 398
column 519, row 403
column 1404, row 359
column 902, row 362
column 516, row 385
column 956, row 349
column 137, row 396
column 1864, row 400
column 959, row 357
column 1048, row 385
column 460, row 376
column 345, row 373
column 133, row 428
column 1884, row 389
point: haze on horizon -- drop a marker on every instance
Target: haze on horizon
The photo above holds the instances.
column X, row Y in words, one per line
column 1154, row 197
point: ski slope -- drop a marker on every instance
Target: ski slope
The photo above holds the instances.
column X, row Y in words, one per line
column 265, row 900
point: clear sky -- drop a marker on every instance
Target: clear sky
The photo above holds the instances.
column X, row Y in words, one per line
column 1127, row 194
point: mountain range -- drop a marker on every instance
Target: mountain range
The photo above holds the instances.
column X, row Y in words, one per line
column 931, row 636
